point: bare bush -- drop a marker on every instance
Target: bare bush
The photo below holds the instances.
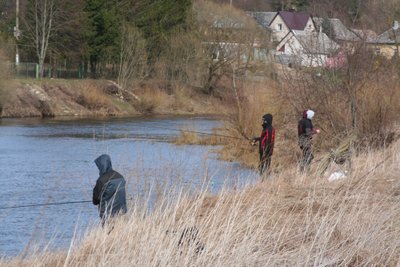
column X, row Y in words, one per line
column 133, row 57
column 345, row 98
column 230, row 38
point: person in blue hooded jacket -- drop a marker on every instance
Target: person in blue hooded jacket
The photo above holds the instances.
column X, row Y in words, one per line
column 109, row 192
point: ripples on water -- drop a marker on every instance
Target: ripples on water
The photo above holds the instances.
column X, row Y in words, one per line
column 45, row 161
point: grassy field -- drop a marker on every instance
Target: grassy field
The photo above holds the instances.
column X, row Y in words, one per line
column 291, row 219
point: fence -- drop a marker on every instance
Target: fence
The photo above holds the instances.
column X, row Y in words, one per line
column 31, row 70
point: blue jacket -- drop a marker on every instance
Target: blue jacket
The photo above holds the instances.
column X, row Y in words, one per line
column 109, row 192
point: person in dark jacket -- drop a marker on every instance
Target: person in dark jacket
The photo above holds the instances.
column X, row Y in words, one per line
column 266, row 144
column 109, row 192
column 305, row 132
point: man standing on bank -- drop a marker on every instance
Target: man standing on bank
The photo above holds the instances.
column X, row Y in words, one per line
column 266, row 144
column 109, row 192
column 305, row 133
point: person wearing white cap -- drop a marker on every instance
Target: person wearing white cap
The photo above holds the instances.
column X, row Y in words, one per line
column 305, row 133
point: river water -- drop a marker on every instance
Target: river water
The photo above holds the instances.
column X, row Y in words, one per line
column 47, row 161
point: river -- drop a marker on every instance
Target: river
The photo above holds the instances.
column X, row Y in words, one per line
column 46, row 161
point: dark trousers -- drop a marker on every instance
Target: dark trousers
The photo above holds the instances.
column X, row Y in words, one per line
column 265, row 164
column 306, row 157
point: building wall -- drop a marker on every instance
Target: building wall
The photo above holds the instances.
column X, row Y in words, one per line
column 277, row 33
column 310, row 26
column 294, row 48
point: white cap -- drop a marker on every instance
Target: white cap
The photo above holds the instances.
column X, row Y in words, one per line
column 310, row 114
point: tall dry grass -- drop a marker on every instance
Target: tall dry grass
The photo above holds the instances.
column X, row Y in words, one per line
column 150, row 98
column 189, row 136
column 292, row 220
column 92, row 97
column 245, row 118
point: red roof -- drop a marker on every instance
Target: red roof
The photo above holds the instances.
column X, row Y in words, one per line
column 295, row 20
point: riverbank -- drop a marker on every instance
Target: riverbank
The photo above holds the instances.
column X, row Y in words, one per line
column 91, row 98
column 290, row 220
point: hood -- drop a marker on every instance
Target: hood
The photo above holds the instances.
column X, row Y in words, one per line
column 308, row 114
column 267, row 119
column 103, row 163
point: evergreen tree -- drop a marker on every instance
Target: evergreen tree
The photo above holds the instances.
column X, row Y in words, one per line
column 103, row 32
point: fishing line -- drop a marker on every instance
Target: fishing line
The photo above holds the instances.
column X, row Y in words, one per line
column 45, row 204
column 189, row 131
column 66, row 202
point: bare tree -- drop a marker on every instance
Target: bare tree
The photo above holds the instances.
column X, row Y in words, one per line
column 40, row 23
column 229, row 39
column 132, row 61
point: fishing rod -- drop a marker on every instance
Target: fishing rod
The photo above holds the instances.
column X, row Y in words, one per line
column 45, row 204
column 67, row 202
column 190, row 131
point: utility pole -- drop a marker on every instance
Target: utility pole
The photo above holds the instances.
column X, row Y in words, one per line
column 231, row 3
column 395, row 28
column 16, row 32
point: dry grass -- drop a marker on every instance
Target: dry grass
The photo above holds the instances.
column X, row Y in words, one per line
column 292, row 220
column 93, row 98
column 262, row 98
column 150, row 99
column 189, row 136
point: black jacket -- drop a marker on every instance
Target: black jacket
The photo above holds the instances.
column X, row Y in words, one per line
column 109, row 192
column 267, row 138
column 305, row 131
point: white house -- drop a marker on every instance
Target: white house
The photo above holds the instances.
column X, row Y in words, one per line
column 311, row 49
column 286, row 21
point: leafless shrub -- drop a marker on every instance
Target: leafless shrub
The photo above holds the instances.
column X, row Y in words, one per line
column 345, row 99
column 133, row 56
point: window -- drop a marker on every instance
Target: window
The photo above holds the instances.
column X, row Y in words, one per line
column 377, row 51
column 279, row 27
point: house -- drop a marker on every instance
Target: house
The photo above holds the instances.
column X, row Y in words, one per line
column 311, row 49
column 336, row 30
column 286, row 21
column 387, row 43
